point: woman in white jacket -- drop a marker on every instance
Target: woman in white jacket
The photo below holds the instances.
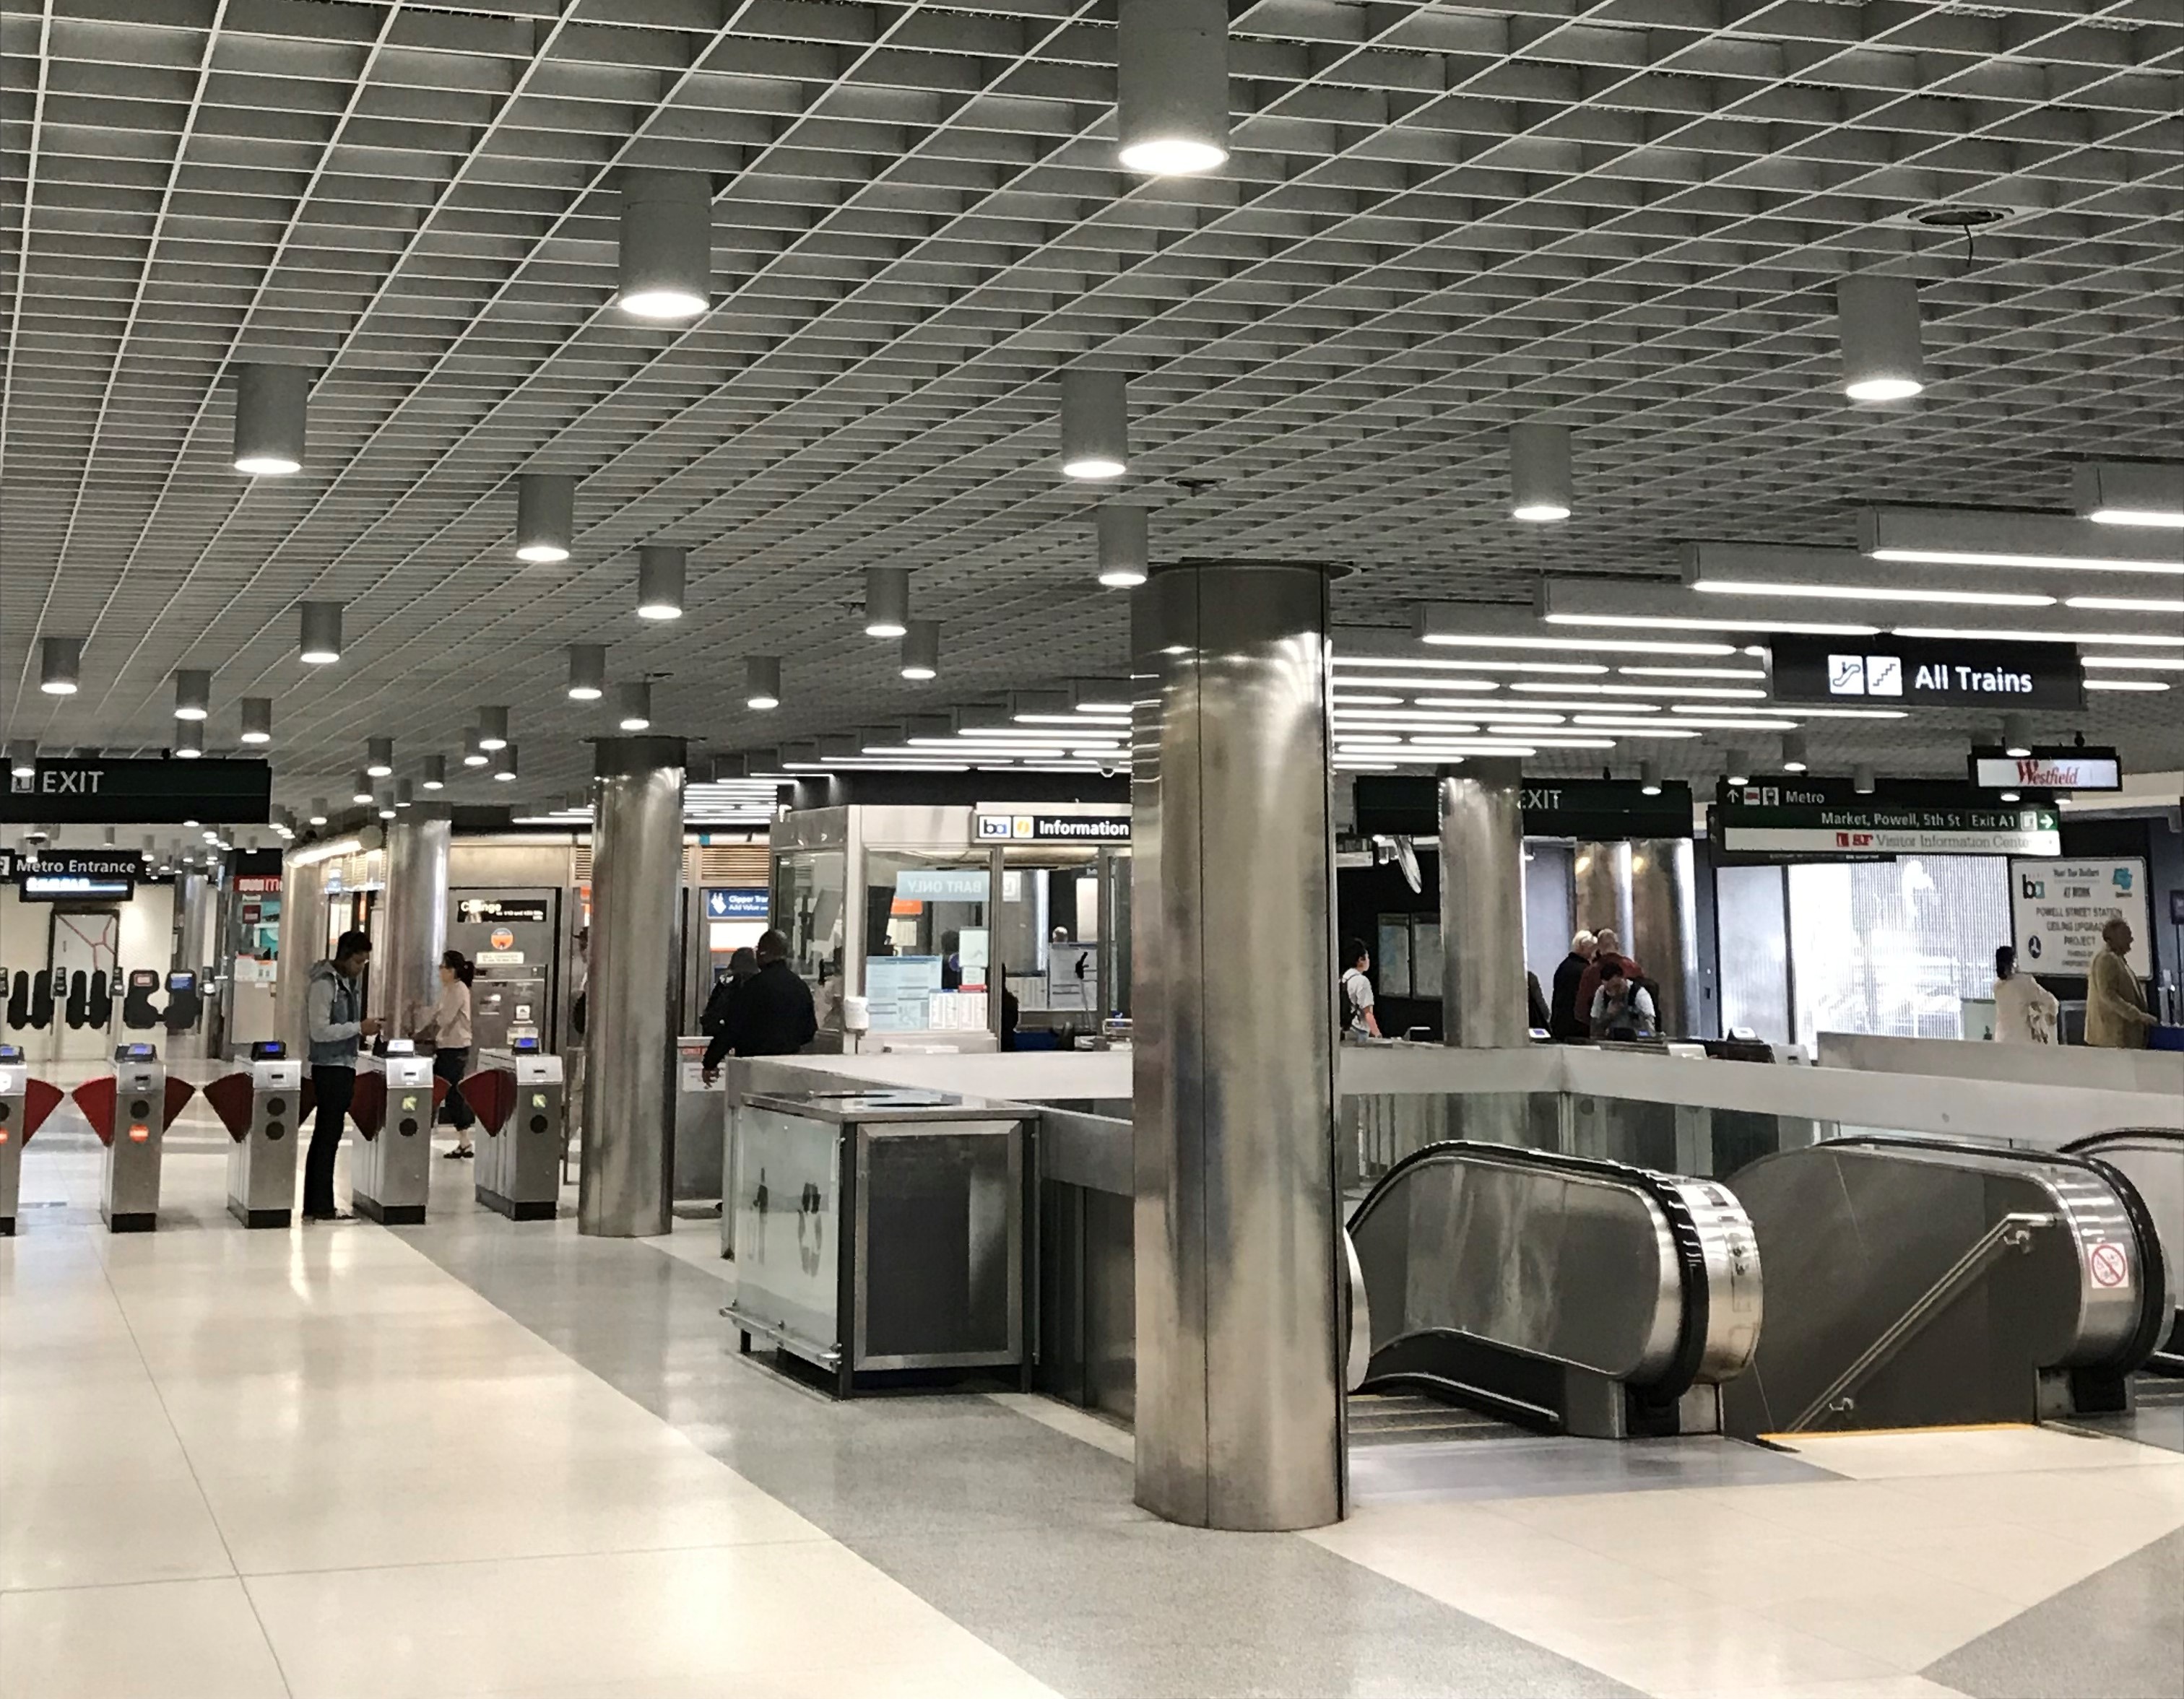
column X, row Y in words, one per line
column 450, row 1030
column 2025, row 1010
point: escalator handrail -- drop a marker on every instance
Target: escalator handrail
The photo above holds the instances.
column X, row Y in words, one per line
column 1692, row 1303
column 2156, row 1305
column 2096, row 1141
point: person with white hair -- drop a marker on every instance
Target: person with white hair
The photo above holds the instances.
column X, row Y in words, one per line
column 1564, row 1022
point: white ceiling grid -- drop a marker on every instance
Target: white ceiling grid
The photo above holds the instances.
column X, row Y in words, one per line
column 1436, row 219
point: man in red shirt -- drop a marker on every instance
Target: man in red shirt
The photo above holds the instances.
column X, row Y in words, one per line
column 1607, row 947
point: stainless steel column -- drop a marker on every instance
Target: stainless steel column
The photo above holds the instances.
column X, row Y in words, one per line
column 626, row 1188
column 1239, row 1408
column 1482, row 904
column 303, row 942
column 1663, row 936
column 1602, row 872
column 404, row 968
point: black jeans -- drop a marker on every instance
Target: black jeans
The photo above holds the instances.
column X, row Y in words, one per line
column 450, row 1065
column 333, row 1087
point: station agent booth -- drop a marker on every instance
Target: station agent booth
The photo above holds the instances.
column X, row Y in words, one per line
column 924, row 917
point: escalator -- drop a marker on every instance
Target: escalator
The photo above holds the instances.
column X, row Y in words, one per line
column 2153, row 1159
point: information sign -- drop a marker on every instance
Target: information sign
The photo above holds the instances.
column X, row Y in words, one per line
column 1926, row 672
column 2057, row 910
column 148, row 792
column 1829, row 818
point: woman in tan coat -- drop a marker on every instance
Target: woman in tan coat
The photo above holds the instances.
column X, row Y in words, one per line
column 450, row 1030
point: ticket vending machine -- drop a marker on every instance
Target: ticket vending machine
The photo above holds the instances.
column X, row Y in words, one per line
column 25, row 1103
column 396, row 1097
column 130, row 1109
column 261, row 1110
column 518, row 1101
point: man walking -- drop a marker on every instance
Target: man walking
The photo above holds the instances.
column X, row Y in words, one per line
column 770, row 1016
column 333, row 1003
column 2116, row 1010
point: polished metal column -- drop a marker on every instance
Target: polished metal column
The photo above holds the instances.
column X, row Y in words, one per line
column 626, row 1188
column 404, row 968
column 1602, row 873
column 1663, row 936
column 1482, row 904
column 303, row 942
column 1239, row 1406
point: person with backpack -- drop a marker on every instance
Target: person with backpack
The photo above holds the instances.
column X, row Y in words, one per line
column 1607, row 948
column 1622, row 1008
column 1360, row 1022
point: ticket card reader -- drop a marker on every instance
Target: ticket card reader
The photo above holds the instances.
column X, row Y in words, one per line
column 130, row 1109
column 390, row 1180
column 519, row 1106
column 25, row 1103
column 261, row 1108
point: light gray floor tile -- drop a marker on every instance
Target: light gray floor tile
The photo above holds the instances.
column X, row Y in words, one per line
column 2119, row 1634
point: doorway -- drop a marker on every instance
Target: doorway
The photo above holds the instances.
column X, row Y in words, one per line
column 83, row 953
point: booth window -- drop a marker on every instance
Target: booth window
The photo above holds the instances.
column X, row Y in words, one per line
column 1894, row 947
column 928, row 939
column 809, row 907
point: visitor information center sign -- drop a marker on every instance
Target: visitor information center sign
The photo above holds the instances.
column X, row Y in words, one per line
column 1824, row 817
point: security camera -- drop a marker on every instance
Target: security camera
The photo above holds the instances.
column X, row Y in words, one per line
column 1110, row 769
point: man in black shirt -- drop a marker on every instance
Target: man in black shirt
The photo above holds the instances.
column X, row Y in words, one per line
column 1565, row 1020
column 771, row 1014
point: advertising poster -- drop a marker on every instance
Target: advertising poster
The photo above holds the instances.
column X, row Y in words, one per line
column 2057, row 910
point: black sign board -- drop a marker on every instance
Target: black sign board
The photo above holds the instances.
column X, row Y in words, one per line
column 148, row 792
column 486, row 911
column 1829, row 819
column 2046, row 769
column 83, row 864
column 1029, row 825
column 1405, row 805
column 1926, row 672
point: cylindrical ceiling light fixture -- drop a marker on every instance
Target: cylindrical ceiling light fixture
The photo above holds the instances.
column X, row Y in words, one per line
column 1095, row 423
column 492, row 728
column 1172, row 87
column 667, row 243
column 257, row 719
column 272, row 404
column 359, row 792
column 405, row 794
column 474, row 755
column 887, row 601
column 1877, row 319
column 588, row 671
column 504, row 763
column 1125, row 545
column 379, row 756
column 1862, row 779
column 60, row 665
column 633, row 708
column 920, row 651
column 762, row 683
column 1649, row 778
column 433, row 772
column 189, row 739
column 22, row 758
column 321, row 643
column 2017, row 736
column 1740, row 767
column 1541, row 489
column 1793, row 752
column 320, row 813
column 659, row 575
column 192, row 693
column 545, row 516
column 383, row 802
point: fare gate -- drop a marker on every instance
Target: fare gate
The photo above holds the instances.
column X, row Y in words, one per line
column 397, row 1098
column 261, row 1109
column 25, row 1104
column 518, row 1097
column 130, row 1109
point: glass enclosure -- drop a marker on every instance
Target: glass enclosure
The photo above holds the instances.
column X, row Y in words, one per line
column 1890, row 947
column 928, row 939
column 809, row 907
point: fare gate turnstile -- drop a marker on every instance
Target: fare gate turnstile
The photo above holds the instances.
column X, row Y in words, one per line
column 25, row 1103
column 397, row 1096
column 261, row 1109
column 518, row 1101
column 130, row 1110
column 1568, row 1294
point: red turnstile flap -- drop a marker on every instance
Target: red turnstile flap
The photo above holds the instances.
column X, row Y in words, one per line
column 439, row 1093
column 39, row 1100
column 306, row 1101
column 94, row 1097
column 491, row 1093
column 368, row 1107
column 179, row 1093
column 229, row 1096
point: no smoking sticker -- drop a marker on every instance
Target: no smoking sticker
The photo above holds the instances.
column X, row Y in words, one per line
column 2108, row 1266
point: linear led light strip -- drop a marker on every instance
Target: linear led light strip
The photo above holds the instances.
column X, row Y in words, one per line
column 1974, row 537
column 2157, row 662
column 1395, row 664
column 2125, row 684
column 1745, row 693
column 2033, row 635
column 1876, row 592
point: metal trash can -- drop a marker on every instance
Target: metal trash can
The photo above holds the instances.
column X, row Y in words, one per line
column 25, row 1103
column 396, row 1097
column 261, row 1109
column 519, row 1103
column 129, row 1109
